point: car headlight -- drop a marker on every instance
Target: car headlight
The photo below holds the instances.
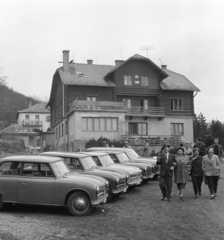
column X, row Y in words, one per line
column 118, row 179
column 97, row 189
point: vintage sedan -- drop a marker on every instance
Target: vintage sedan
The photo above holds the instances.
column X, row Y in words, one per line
column 121, row 158
column 49, row 181
column 132, row 155
column 84, row 164
column 104, row 161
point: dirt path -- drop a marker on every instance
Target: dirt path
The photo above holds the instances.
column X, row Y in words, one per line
column 138, row 214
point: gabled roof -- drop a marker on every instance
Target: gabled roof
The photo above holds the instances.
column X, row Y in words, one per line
column 138, row 57
column 37, row 108
column 176, row 81
column 86, row 74
column 17, row 129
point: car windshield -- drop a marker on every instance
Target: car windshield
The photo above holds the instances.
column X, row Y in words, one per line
column 106, row 160
column 122, row 157
column 60, row 168
column 132, row 154
column 88, row 163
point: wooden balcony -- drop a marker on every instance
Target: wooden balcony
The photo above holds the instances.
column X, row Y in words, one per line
column 117, row 106
column 153, row 140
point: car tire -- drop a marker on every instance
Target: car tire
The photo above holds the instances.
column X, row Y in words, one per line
column 110, row 194
column 1, row 202
column 79, row 204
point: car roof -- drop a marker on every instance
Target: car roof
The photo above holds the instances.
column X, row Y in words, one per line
column 95, row 153
column 65, row 154
column 31, row 158
column 113, row 149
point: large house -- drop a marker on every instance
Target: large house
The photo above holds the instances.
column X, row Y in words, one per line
column 135, row 100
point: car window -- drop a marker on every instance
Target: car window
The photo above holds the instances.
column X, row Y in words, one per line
column 96, row 160
column 123, row 157
column 37, row 170
column 132, row 154
column 10, row 168
column 74, row 163
column 60, row 168
column 114, row 158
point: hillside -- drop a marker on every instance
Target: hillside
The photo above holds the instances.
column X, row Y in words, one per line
column 10, row 103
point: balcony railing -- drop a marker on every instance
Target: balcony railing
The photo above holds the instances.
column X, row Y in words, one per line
column 152, row 140
column 31, row 123
column 118, row 106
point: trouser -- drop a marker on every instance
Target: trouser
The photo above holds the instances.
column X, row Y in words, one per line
column 212, row 183
column 165, row 184
column 196, row 181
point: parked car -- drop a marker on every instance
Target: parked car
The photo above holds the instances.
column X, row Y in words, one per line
column 48, row 181
column 132, row 155
column 121, row 158
column 84, row 164
column 104, row 161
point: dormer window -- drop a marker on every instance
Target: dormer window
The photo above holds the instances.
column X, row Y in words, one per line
column 127, row 80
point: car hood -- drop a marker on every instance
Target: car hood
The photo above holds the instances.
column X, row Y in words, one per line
column 126, row 169
column 109, row 175
column 139, row 165
column 147, row 159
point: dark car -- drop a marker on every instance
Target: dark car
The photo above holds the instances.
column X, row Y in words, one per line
column 104, row 161
column 132, row 155
column 121, row 158
column 84, row 164
column 48, row 181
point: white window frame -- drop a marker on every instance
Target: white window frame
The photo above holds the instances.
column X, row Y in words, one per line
column 177, row 129
column 178, row 106
column 127, row 80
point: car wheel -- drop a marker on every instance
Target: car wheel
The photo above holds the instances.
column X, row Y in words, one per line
column 1, row 202
column 79, row 204
column 110, row 194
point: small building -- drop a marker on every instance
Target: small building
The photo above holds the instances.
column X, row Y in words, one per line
column 35, row 117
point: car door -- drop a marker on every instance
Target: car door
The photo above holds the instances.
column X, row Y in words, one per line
column 9, row 177
column 36, row 184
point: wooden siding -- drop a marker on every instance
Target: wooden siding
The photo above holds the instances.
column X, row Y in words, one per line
column 81, row 92
column 188, row 106
column 135, row 101
column 136, row 91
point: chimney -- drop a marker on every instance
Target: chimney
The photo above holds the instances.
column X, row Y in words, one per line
column 89, row 61
column 118, row 62
column 65, row 60
column 163, row 66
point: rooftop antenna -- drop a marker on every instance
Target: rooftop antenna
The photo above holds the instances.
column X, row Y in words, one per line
column 160, row 61
column 147, row 48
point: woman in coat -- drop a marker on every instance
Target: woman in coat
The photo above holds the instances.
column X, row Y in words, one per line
column 181, row 175
column 211, row 168
column 196, row 172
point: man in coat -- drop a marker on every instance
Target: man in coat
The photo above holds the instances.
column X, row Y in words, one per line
column 201, row 146
column 167, row 161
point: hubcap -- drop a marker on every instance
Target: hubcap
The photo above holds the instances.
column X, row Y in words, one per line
column 80, row 203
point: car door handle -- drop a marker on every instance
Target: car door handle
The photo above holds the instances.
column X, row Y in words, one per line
column 23, row 183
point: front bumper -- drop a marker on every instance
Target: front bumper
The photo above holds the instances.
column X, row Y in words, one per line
column 149, row 176
column 136, row 182
column 100, row 201
column 117, row 191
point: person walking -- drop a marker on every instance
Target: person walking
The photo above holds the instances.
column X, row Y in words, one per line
column 146, row 149
column 181, row 175
column 217, row 148
column 166, row 161
column 211, row 168
column 201, row 146
column 196, row 172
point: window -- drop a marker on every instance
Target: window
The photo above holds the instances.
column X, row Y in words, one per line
column 27, row 117
column 48, row 118
column 144, row 80
column 37, row 170
column 177, row 129
column 127, row 102
column 97, row 161
column 91, row 98
column 37, row 119
column 176, row 104
column 138, row 128
column 144, row 103
column 66, row 127
column 10, row 168
column 99, row 124
column 62, row 130
column 127, row 80
column 73, row 163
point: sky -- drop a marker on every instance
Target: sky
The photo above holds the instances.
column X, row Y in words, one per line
column 187, row 36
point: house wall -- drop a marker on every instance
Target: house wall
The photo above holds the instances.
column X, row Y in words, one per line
column 163, row 127
column 32, row 117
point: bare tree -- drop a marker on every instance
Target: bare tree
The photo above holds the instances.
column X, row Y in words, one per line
column 2, row 77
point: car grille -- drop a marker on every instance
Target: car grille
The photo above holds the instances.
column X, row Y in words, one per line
column 148, row 171
column 121, row 183
column 135, row 177
column 101, row 192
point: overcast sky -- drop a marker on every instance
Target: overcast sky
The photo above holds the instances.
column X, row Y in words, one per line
column 187, row 35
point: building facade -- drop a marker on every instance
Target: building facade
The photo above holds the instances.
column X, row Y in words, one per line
column 135, row 98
